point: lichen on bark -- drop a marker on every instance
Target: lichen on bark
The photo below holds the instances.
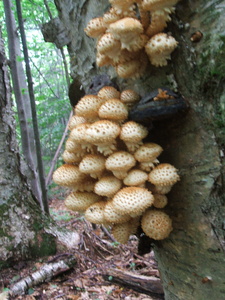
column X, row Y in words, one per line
column 19, row 238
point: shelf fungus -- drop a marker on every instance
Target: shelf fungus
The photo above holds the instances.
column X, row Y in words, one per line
column 162, row 103
column 133, row 26
column 114, row 176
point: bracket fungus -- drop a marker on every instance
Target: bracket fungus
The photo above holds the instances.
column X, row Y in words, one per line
column 120, row 181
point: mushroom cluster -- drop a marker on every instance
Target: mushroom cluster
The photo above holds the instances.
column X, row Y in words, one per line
column 114, row 176
column 131, row 33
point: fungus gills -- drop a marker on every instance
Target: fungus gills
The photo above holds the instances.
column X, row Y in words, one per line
column 114, row 176
column 128, row 35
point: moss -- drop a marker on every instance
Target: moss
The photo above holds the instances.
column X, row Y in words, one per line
column 43, row 245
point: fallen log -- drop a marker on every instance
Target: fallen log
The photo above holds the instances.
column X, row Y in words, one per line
column 148, row 285
column 44, row 274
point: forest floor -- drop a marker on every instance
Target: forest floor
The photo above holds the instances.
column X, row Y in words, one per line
column 97, row 252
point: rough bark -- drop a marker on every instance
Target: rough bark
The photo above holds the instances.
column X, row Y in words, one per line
column 191, row 260
column 22, row 233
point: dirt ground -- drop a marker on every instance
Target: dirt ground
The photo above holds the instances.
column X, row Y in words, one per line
column 96, row 254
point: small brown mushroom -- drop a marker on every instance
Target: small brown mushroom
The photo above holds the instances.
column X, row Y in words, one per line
column 132, row 134
column 159, row 48
column 80, row 201
column 68, row 175
column 132, row 200
column 108, row 186
column 164, row 175
column 113, row 110
column 156, row 224
column 95, row 27
column 119, row 163
column 93, row 165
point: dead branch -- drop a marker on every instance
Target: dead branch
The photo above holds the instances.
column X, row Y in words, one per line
column 148, row 285
column 45, row 274
column 48, row 179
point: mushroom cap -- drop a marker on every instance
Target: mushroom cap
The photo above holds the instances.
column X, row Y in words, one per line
column 159, row 48
column 163, row 174
column 158, row 4
column 95, row 213
column 158, row 21
column 107, row 186
column 135, row 177
column 112, row 215
column 148, row 152
column 111, row 16
column 114, row 110
column 68, row 175
column 92, row 164
column 86, row 185
column 108, row 45
column 156, row 224
column 70, row 157
column 103, row 60
column 88, row 106
column 72, row 146
column 76, row 120
column 129, row 96
column 122, row 6
column 80, row 201
column 132, row 200
column 133, row 132
column 78, row 133
column 108, row 92
column 160, row 201
column 120, row 161
column 102, row 132
column 121, row 232
column 95, row 27
column 126, row 28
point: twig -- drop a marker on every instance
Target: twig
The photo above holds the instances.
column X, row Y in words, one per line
column 107, row 233
column 48, row 179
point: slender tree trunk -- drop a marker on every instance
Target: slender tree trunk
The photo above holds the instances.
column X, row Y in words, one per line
column 40, row 167
column 191, row 260
column 22, row 99
column 22, row 224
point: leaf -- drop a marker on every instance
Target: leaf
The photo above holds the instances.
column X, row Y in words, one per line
column 19, row 58
column 30, row 291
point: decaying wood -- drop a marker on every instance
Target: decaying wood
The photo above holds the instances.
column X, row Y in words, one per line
column 148, row 285
column 45, row 274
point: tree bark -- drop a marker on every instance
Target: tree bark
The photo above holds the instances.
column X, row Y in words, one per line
column 149, row 285
column 191, row 260
column 22, row 224
column 22, row 99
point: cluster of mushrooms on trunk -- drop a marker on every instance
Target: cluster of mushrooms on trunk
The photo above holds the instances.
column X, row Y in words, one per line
column 116, row 179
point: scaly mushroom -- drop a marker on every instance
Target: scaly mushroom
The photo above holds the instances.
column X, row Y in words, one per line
column 156, row 224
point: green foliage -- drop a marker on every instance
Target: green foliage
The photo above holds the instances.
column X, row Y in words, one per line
column 49, row 80
column 61, row 215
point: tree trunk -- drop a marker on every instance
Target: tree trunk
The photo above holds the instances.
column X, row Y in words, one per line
column 22, row 232
column 191, row 260
column 22, row 99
